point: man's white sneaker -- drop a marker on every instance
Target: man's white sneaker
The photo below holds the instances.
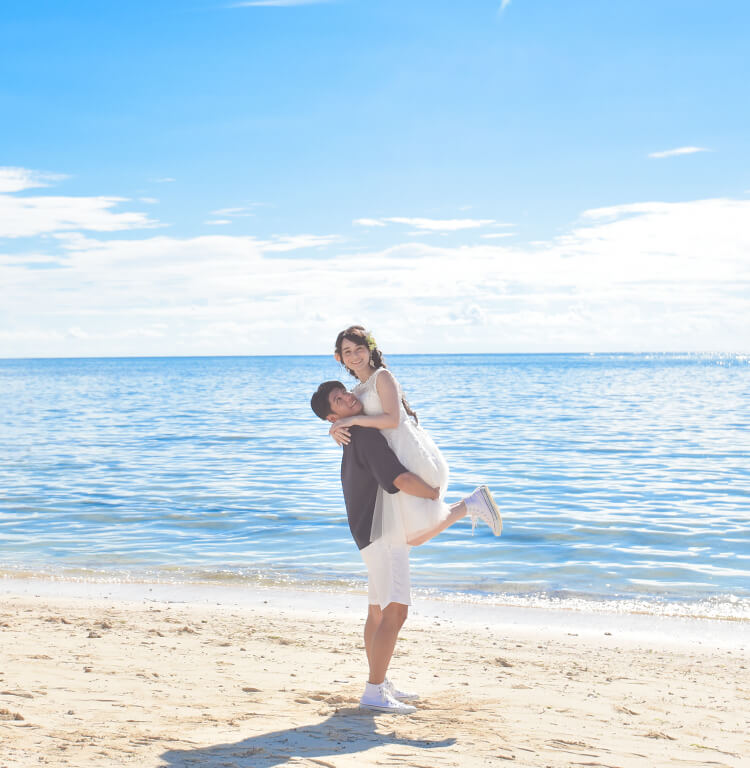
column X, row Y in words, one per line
column 400, row 695
column 379, row 699
column 481, row 505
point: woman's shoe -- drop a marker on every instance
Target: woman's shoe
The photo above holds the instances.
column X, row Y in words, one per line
column 481, row 505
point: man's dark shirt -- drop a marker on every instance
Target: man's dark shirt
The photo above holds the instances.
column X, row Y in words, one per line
column 367, row 463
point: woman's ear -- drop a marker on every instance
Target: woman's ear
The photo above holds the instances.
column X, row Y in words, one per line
column 337, row 356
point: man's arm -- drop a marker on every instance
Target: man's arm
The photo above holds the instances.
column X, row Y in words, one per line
column 391, row 474
column 412, row 484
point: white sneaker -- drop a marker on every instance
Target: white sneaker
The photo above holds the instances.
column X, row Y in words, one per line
column 378, row 698
column 400, row 695
column 481, row 505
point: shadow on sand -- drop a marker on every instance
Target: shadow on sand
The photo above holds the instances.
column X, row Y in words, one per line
column 348, row 731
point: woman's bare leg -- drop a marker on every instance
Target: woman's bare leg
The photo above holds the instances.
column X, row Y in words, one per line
column 458, row 511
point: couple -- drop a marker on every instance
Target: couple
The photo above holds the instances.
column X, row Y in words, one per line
column 394, row 480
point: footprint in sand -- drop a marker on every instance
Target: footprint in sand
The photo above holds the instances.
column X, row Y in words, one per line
column 6, row 714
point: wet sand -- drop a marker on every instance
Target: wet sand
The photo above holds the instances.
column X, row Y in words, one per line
column 102, row 681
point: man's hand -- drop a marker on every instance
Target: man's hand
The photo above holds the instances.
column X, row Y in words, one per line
column 340, row 432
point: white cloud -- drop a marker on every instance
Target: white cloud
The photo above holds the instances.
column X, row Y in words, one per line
column 647, row 275
column 678, row 151
column 432, row 225
column 504, row 4
column 217, row 222
column 282, row 243
column 149, row 200
column 369, row 222
column 163, row 180
column 239, row 211
column 28, row 216
column 17, row 179
column 441, row 225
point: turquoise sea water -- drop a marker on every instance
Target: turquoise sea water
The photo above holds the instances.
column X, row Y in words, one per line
column 624, row 480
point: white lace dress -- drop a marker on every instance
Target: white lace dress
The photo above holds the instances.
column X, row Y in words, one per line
column 399, row 517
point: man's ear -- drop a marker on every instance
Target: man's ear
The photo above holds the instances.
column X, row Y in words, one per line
column 337, row 356
column 332, row 417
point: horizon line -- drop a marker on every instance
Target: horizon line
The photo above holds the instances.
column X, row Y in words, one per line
column 392, row 354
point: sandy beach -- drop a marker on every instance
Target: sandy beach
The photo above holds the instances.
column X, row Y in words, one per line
column 102, row 680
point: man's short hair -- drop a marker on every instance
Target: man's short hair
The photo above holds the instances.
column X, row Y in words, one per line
column 320, row 402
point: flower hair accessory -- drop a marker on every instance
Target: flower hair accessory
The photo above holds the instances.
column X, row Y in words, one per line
column 370, row 342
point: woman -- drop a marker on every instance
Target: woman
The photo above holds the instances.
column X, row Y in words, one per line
column 401, row 518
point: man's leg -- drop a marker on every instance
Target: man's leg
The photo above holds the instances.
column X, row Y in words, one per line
column 374, row 616
column 458, row 512
column 384, row 639
column 388, row 584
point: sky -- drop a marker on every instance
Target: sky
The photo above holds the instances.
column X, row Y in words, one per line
column 239, row 178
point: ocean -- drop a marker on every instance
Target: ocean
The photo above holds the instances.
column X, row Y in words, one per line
column 623, row 479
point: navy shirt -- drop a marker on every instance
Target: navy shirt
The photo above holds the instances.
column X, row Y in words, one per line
column 367, row 464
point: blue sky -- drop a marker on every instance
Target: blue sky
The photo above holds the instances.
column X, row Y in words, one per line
column 200, row 178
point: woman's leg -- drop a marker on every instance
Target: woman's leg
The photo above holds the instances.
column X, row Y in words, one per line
column 458, row 511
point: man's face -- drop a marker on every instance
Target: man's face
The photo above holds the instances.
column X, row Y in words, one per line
column 343, row 404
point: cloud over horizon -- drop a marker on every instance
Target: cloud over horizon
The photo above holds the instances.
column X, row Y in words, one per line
column 639, row 276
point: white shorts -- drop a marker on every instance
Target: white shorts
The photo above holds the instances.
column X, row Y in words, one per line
column 388, row 578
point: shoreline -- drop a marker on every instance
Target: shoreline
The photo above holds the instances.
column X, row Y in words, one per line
column 668, row 630
column 175, row 679
column 715, row 607
column 708, row 607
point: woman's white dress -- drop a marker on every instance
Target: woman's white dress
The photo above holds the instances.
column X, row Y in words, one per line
column 400, row 517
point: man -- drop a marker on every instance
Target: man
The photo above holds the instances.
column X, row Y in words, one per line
column 367, row 465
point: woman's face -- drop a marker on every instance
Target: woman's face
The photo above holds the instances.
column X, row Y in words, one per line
column 355, row 356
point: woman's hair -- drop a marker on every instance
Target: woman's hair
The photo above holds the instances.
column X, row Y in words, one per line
column 358, row 335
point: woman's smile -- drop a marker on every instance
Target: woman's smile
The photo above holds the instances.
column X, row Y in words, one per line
column 356, row 357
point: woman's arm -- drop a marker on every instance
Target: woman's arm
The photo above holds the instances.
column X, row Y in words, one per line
column 388, row 394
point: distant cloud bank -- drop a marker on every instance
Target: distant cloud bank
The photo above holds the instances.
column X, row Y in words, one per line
column 647, row 275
